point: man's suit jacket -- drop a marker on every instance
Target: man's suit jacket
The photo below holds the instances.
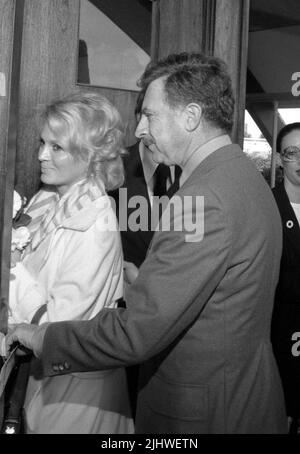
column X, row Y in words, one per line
column 135, row 244
column 286, row 315
column 198, row 315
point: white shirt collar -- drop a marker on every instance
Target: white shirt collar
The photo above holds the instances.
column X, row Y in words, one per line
column 201, row 153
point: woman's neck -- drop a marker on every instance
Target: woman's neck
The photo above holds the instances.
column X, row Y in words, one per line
column 63, row 189
column 293, row 191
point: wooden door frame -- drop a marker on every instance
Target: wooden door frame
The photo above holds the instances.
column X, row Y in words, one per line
column 7, row 174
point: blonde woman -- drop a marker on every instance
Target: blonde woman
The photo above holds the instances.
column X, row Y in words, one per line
column 75, row 255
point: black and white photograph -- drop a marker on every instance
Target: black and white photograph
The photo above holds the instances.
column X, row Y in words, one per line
column 150, row 220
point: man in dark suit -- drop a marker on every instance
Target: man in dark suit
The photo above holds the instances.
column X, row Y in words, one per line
column 198, row 315
column 135, row 243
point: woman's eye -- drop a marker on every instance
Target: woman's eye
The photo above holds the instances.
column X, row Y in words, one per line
column 56, row 147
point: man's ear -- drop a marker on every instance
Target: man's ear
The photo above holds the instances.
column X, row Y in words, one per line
column 193, row 116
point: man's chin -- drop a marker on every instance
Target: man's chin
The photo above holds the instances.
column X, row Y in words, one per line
column 157, row 157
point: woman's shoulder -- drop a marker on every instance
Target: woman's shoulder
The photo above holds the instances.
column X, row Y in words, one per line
column 106, row 213
column 98, row 213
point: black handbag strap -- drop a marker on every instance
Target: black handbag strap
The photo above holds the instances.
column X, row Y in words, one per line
column 12, row 421
column 38, row 315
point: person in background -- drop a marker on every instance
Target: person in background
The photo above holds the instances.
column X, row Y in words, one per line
column 145, row 178
column 198, row 315
column 77, row 258
column 286, row 315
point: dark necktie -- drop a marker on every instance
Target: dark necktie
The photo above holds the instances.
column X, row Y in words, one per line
column 175, row 185
column 162, row 176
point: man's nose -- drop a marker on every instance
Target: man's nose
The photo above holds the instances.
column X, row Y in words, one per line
column 142, row 128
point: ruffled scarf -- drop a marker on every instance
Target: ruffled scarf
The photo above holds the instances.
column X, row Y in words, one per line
column 48, row 211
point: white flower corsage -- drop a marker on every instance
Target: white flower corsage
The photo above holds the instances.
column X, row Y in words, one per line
column 20, row 234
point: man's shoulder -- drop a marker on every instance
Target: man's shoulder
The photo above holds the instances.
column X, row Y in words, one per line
column 215, row 168
column 228, row 178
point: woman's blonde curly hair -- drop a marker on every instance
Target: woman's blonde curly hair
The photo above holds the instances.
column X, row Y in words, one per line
column 93, row 129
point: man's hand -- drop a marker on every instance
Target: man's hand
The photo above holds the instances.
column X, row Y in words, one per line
column 130, row 272
column 23, row 333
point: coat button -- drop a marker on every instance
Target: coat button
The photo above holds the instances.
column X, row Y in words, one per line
column 61, row 367
column 55, row 367
column 67, row 365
